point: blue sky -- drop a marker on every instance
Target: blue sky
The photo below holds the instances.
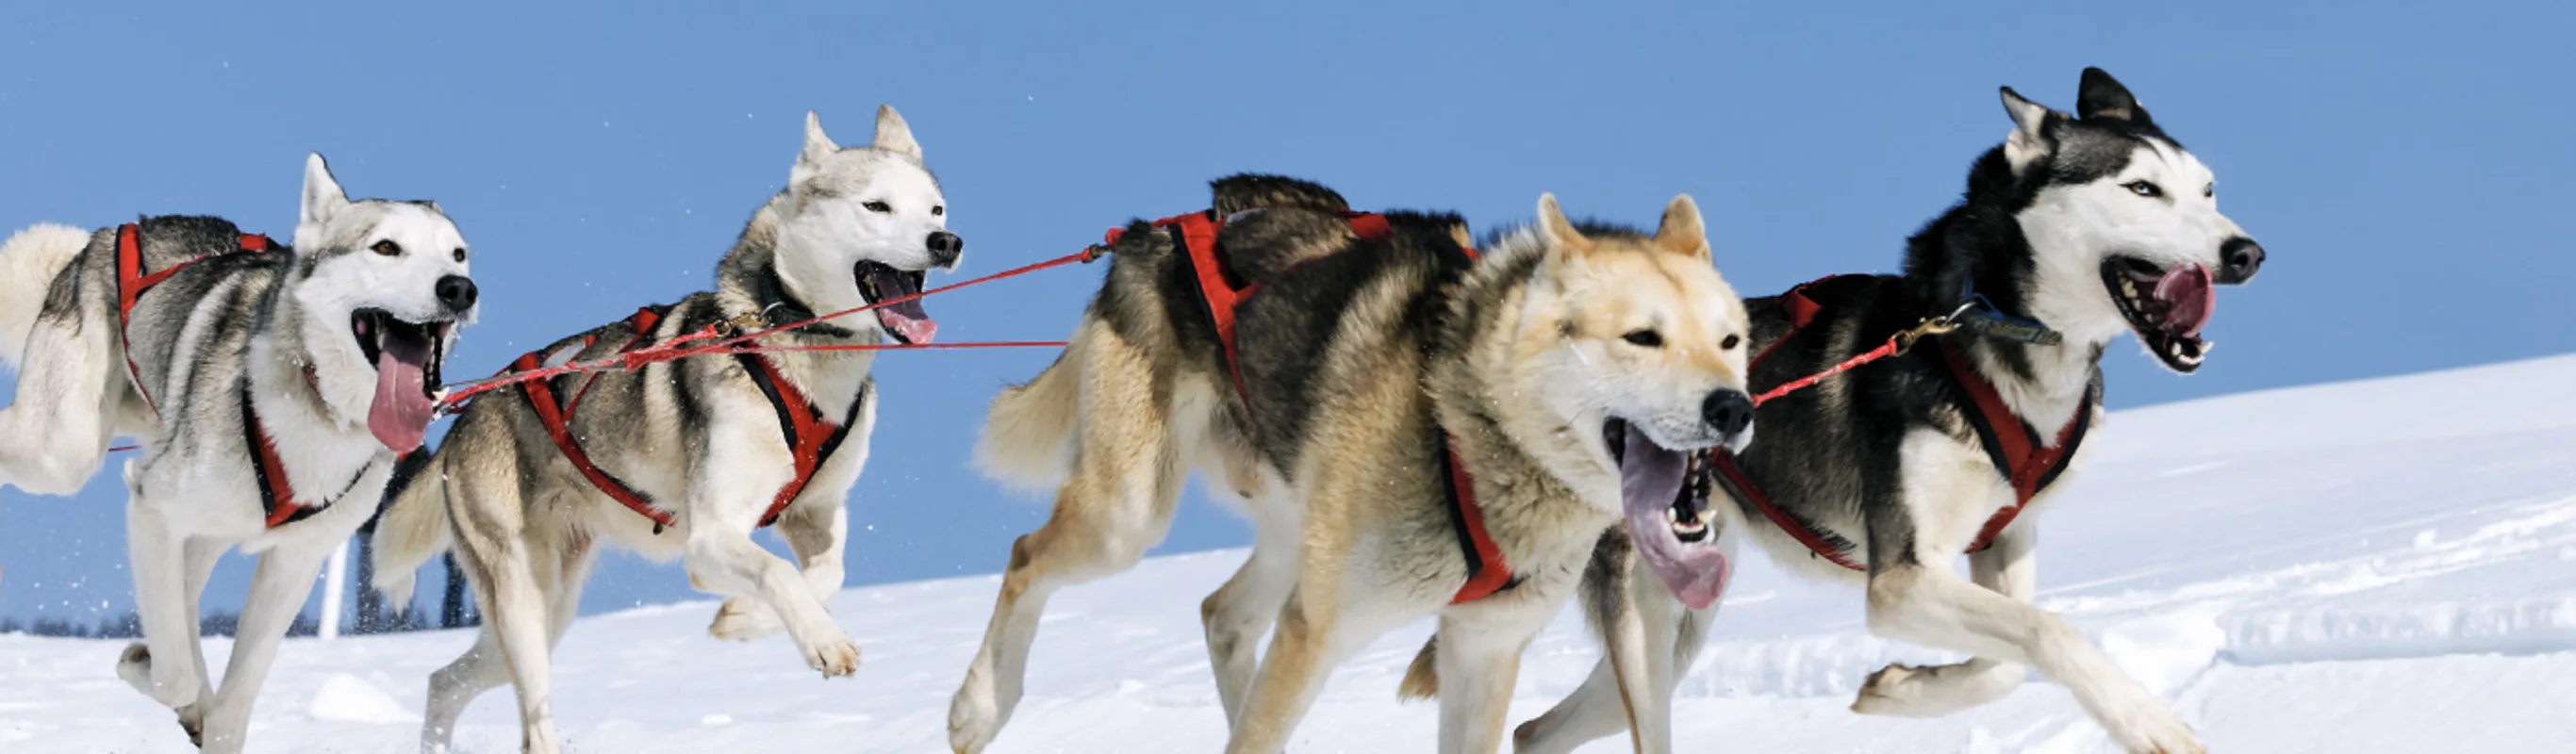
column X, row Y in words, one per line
column 2408, row 169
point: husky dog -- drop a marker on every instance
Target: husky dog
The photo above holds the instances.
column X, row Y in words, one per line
column 2090, row 224
column 1389, row 390
column 696, row 444
column 271, row 389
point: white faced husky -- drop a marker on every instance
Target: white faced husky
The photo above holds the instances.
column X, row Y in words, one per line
column 686, row 458
column 2076, row 229
column 271, row 389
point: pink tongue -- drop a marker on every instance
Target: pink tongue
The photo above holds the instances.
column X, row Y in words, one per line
column 913, row 329
column 2185, row 293
column 401, row 412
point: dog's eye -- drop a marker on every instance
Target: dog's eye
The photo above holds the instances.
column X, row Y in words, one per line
column 1644, row 338
column 459, row 254
column 387, row 248
column 1730, row 342
column 2143, row 188
column 936, row 211
column 2210, row 191
column 878, row 207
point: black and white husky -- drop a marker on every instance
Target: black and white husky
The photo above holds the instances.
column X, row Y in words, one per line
column 2089, row 225
column 271, row 389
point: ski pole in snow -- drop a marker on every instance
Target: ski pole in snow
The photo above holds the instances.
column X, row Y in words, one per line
column 335, row 579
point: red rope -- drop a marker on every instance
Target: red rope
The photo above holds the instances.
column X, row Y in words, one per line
column 1883, row 350
column 672, row 349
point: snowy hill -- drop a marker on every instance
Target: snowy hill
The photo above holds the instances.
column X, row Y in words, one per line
column 2375, row 566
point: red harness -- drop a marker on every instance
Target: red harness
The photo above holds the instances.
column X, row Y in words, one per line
column 1196, row 233
column 811, row 438
column 2021, row 455
column 276, row 493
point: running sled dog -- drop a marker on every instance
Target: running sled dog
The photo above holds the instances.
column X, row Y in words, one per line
column 271, row 389
column 2086, row 226
column 1415, row 433
column 686, row 458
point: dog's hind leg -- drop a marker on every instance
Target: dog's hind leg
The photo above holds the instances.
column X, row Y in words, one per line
column 1649, row 639
column 498, row 544
column 453, row 687
column 161, row 665
column 1237, row 614
column 278, row 587
column 202, row 555
column 1127, row 476
column 482, row 667
column 2009, row 568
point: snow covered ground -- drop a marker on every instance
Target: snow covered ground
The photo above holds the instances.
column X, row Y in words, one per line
column 2383, row 566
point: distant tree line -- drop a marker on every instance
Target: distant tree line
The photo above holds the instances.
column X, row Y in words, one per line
column 372, row 616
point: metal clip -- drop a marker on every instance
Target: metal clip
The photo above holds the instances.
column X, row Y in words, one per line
column 741, row 323
column 1929, row 327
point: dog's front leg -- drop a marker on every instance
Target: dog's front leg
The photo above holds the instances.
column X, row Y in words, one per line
column 2009, row 568
column 817, row 530
column 727, row 503
column 1315, row 633
column 1934, row 607
column 278, row 587
column 1480, row 658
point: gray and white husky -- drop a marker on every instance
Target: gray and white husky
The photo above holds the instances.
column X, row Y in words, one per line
column 271, row 389
column 2090, row 224
column 704, row 450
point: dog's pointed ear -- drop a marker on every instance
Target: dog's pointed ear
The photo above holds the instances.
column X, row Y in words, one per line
column 893, row 135
column 322, row 194
column 2103, row 98
column 2029, row 140
column 1561, row 234
column 1681, row 232
column 818, row 145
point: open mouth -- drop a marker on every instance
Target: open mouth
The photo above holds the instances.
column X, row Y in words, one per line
column 1664, row 498
column 407, row 356
column 904, row 320
column 2166, row 307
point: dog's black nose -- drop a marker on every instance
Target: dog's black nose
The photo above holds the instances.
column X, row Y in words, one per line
column 2238, row 259
column 456, row 292
column 1730, row 411
column 945, row 246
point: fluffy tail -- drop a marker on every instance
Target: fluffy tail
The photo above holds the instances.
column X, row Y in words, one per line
column 414, row 527
column 29, row 261
column 1029, row 428
column 1422, row 680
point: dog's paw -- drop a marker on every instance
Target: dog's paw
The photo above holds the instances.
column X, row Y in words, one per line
column 973, row 719
column 835, row 656
column 744, row 620
column 2153, row 729
column 1911, row 691
column 170, row 684
column 192, row 719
